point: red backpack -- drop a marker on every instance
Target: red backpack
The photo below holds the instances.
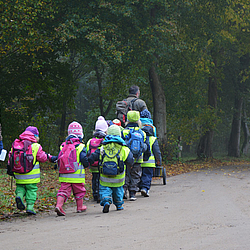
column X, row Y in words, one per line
column 21, row 157
column 93, row 145
column 67, row 158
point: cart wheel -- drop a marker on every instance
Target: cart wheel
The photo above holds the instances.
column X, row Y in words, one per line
column 164, row 176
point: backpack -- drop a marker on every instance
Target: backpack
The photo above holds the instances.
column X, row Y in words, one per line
column 122, row 108
column 111, row 164
column 67, row 158
column 135, row 141
column 93, row 145
column 21, row 157
column 149, row 130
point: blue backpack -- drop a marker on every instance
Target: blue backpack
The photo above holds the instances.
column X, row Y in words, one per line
column 135, row 141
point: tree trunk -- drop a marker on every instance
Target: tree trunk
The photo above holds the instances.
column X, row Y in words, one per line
column 234, row 141
column 205, row 145
column 159, row 102
column 245, row 129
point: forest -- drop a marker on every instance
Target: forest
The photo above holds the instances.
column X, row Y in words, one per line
column 65, row 60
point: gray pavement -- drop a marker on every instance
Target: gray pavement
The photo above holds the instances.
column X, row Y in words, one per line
column 208, row 209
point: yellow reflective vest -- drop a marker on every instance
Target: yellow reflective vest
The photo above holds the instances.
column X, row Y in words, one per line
column 79, row 175
column 34, row 175
column 151, row 161
column 117, row 180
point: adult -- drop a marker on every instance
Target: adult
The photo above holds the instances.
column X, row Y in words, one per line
column 138, row 104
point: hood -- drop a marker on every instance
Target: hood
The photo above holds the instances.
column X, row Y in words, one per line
column 114, row 138
column 27, row 135
column 146, row 121
column 148, row 130
column 74, row 139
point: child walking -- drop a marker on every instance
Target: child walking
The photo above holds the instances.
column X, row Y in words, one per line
column 149, row 161
column 113, row 157
column 26, row 182
column 93, row 144
column 75, row 178
column 133, row 174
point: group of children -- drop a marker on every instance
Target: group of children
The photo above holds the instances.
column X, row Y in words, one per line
column 116, row 169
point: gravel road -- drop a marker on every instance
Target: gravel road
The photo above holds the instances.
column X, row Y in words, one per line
column 208, row 209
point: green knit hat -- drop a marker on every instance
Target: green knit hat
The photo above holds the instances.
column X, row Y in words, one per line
column 133, row 116
column 114, row 130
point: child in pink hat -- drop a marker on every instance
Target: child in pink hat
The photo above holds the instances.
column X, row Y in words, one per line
column 73, row 181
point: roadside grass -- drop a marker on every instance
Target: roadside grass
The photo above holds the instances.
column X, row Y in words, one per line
column 46, row 194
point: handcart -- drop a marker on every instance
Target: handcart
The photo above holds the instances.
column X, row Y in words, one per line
column 160, row 171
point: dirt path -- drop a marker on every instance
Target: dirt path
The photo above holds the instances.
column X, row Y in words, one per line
column 199, row 210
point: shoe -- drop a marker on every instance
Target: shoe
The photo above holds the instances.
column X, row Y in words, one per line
column 59, row 204
column 125, row 196
column 120, row 207
column 132, row 197
column 30, row 210
column 19, row 203
column 145, row 193
column 106, row 207
column 80, row 207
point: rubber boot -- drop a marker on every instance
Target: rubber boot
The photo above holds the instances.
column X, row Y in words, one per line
column 80, row 207
column 19, row 198
column 59, row 204
column 30, row 209
column 19, row 202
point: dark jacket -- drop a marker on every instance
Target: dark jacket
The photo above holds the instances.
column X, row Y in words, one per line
column 139, row 104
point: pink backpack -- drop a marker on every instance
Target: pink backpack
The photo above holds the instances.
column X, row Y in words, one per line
column 21, row 158
column 93, row 145
column 67, row 158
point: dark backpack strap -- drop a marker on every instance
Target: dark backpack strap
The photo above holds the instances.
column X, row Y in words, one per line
column 132, row 102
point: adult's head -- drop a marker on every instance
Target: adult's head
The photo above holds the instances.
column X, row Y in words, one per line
column 134, row 90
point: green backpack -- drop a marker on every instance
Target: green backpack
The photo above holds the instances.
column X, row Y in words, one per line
column 110, row 163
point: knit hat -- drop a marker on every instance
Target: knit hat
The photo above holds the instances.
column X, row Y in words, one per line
column 117, row 122
column 114, row 130
column 109, row 122
column 101, row 124
column 145, row 114
column 75, row 128
column 33, row 130
column 133, row 116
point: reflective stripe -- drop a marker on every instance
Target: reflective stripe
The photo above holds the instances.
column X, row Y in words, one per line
column 73, row 176
column 36, row 166
column 27, row 177
column 111, row 180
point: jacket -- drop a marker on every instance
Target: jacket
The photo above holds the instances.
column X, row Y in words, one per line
column 125, row 156
column 139, row 104
column 39, row 156
column 79, row 175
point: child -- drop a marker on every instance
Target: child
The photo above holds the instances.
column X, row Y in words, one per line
column 99, row 134
column 74, row 180
column 146, row 120
column 26, row 183
column 133, row 175
column 150, row 162
column 118, row 123
column 113, row 153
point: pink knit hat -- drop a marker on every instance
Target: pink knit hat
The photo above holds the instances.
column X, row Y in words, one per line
column 75, row 128
column 101, row 124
